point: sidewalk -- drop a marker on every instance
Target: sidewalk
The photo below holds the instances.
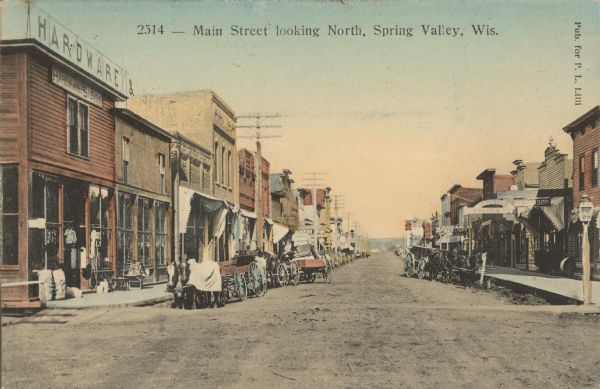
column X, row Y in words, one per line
column 151, row 294
column 567, row 287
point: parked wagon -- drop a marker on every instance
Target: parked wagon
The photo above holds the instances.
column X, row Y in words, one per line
column 310, row 268
column 282, row 270
column 443, row 265
column 242, row 276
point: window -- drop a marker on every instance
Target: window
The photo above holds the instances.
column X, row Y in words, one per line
column 161, row 234
column 216, row 163
column 124, row 232
column 126, row 173
column 184, row 169
column 143, row 232
column 9, row 204
column 77, row 113
column 161, row 174
column 223, row 165
column 100, row 227
column 595, row 168
column 229, row 169
column 581, row 172
column 206, row 177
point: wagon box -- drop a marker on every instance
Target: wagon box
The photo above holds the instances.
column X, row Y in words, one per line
column 309, row 263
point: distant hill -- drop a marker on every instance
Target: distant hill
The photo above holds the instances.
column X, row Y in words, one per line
column 386, row 244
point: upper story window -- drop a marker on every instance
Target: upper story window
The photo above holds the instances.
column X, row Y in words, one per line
column 595, row 168
column 77, row 114
column 229, row 169
column 581, row 172
column 162, row 188
column 223, row 165
column 126, row 166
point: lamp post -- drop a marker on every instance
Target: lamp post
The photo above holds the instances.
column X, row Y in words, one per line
column 586, row 209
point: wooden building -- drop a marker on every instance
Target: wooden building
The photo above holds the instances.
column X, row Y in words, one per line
column 143, row 194
column 585, row 133
column 57, row 158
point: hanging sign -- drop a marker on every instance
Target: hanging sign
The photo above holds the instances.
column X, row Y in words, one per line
column 76, row 86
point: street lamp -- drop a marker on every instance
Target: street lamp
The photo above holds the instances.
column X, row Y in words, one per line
column 586, row 210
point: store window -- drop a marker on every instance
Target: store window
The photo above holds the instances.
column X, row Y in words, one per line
column 45, row 227
column 77, row 113
column 9, row 208
column 100, row 233
column 194, row 236
column 161, row 233
column 143, row 231
column 216, row 172
column 161, row 174
column 126, row 165
column 124, row 232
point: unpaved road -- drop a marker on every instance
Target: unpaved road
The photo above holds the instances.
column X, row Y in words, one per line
column 370, row 328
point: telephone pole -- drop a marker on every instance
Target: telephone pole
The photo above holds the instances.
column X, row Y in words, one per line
column 258, row 193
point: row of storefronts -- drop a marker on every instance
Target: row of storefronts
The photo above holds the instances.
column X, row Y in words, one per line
column 528, row 219
column 94, row 180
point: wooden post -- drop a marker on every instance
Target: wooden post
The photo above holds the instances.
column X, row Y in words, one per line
column 484, row 260
column 258, row 198
column 587, row 287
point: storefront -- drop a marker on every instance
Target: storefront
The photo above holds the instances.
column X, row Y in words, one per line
column 58, row 174
column 70, row 227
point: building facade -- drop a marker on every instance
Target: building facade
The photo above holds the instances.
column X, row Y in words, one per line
column 205, row 119
column 143, row 195
column 459, row 196
column 57, row 159
column 494, row 183
column 585, row 133
column 284, row 201
column 247, row 184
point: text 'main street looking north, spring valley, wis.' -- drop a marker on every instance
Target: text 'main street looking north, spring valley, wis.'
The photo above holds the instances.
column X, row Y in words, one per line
column 332, row 30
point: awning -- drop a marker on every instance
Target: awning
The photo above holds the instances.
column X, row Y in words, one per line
column 248, row 214
column 553, row 214
column 279, row 232
column 209, row 204
column 448, row 239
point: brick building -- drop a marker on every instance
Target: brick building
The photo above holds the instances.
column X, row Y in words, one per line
column 247, row 184
column 284, row 201
column 585, row 133
column 460, row 195
column 494, row 183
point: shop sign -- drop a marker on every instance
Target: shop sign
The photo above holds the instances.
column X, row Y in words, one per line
column 76, row 86
column 542, row 202
column 70, row 46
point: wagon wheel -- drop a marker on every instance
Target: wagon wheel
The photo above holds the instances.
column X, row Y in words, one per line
column 408, row 264
column 241, row 289
column 257, row 281
column 311, row 277
column 281, row 275
column 294, row 273
column 199, row 300
column 421, row 271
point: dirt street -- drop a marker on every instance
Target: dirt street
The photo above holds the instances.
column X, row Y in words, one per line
column 371, row 327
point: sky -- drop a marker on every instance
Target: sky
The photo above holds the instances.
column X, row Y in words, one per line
column 391, row 123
